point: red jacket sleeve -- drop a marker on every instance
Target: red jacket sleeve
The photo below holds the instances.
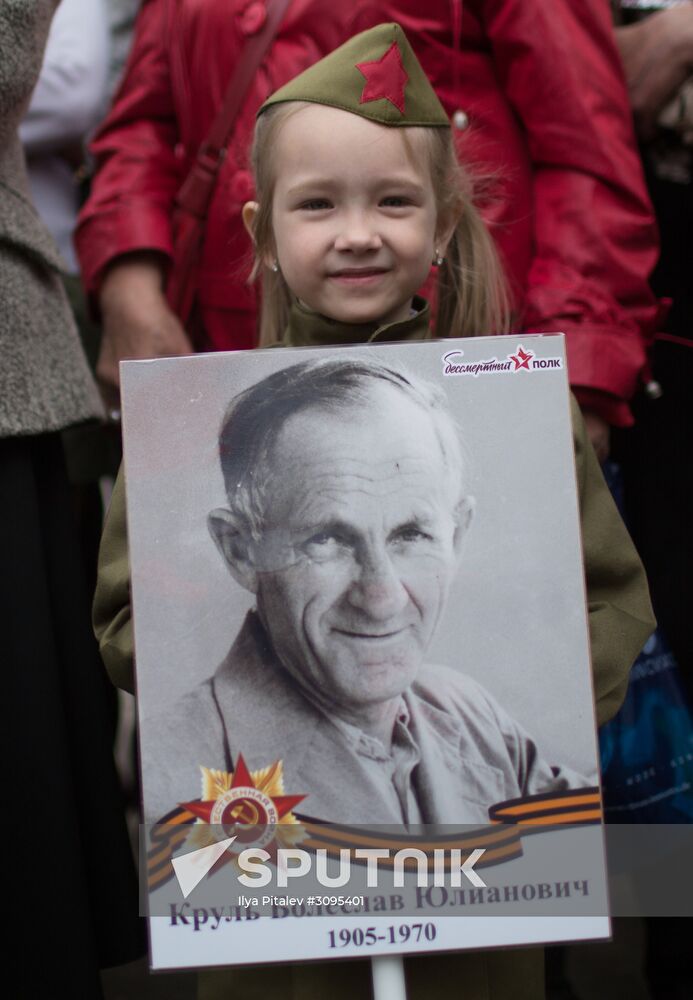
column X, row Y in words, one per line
column 595, row 238
column 138, row 169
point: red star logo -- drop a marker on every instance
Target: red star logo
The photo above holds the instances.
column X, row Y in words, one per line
column 243, row 809
column 521, row 359
column 385, row 78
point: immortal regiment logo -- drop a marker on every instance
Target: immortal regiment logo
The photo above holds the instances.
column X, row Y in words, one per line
column 520, row 361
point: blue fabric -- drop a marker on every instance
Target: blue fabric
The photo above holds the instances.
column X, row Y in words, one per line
column 647, row 749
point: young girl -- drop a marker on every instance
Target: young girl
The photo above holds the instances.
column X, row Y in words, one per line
column 359, row 193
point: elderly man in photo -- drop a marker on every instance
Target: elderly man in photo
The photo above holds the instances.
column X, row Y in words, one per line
column 347, row 512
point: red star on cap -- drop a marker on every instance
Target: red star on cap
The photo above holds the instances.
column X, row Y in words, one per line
column 521, row 359
column 385, row 78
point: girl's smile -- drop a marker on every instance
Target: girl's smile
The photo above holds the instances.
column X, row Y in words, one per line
column 358, row 275
column 353, row 215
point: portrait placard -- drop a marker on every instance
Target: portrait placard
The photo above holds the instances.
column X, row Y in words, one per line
column 362, row 652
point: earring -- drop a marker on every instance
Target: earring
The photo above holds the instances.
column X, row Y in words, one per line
column 438, row 260
column 275, row 266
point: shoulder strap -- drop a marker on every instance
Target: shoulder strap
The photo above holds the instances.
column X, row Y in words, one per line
column 250, row 59
column 196, row 191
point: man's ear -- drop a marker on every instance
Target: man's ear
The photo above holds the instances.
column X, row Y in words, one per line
column 233, row 540
column 464, row 512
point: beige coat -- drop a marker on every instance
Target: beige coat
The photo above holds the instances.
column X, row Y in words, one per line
column 45, row 383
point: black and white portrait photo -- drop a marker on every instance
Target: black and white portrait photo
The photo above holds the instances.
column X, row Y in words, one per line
column 339, row 563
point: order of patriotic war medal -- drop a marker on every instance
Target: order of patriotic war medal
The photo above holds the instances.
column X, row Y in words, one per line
column 251, row 807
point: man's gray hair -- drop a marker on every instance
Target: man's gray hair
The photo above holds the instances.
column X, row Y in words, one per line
column 254, row 420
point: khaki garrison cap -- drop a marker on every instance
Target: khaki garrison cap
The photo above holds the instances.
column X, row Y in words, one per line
column 375, row 75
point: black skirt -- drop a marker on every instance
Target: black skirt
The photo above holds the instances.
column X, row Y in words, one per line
column 74, row 905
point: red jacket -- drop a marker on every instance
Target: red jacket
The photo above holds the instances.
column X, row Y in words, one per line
column 541, row 86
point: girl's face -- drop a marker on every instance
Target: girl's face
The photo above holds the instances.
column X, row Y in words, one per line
column 354, row 215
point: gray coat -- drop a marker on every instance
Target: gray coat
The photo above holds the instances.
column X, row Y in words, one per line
column 45, row 383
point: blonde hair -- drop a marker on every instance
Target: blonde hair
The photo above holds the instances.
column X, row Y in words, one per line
column 473, row 297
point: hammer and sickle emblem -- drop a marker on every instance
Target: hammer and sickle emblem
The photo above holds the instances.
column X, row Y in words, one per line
column 244, row 812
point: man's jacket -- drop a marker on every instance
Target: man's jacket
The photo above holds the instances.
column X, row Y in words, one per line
column 473, row 755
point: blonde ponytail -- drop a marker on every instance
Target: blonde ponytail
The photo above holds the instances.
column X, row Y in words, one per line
column 473, row 296
column 275, row 300
column 275, row 305
column 472, row 293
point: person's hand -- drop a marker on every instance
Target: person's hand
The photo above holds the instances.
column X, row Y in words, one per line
column 657, row 56
column 599, row 434
column 137, row 320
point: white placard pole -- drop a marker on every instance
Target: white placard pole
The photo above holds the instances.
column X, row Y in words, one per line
column 388, row 978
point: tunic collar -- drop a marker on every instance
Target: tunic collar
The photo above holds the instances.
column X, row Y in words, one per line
column 310, row 329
